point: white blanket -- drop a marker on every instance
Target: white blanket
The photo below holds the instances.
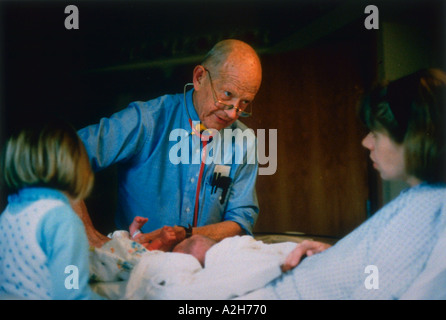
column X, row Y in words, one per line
column 115, row 259
column 233, row 267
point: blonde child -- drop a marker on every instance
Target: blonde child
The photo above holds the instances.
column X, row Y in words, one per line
column 43, row 244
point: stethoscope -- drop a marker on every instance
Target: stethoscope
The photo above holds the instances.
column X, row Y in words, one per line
column 205, row 135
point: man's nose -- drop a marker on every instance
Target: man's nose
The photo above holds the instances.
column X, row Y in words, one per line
column 232, row 113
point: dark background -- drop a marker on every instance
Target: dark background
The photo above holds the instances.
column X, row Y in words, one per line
column 82, row 72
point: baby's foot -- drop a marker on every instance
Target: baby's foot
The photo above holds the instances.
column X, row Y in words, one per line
column 164, row 242
column 136, row 225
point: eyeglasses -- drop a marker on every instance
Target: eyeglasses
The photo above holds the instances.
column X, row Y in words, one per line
column 219, row 104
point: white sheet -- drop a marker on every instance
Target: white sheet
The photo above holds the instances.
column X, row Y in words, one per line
column 234, row 266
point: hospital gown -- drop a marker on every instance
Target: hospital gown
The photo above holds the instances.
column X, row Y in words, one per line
column 397, row 242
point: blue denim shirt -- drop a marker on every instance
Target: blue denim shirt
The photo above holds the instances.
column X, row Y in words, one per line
column 140, row 139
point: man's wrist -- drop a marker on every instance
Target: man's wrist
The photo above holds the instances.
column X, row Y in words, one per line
column 187, row 230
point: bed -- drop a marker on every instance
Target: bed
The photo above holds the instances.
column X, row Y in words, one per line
column 235, row 266
column 429, row 284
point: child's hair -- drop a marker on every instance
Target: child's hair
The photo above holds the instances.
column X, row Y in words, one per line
column 411, row 110
column 48, row 154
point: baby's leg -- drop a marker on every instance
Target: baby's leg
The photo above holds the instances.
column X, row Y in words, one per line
column 136, row 225
column 165, row 241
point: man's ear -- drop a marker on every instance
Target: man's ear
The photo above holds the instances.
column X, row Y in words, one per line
column 198, row 76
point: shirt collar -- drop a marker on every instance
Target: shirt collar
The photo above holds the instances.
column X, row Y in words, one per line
column 192, row 113
column 26, row 195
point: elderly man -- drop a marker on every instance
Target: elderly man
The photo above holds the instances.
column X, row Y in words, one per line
column 193, row 197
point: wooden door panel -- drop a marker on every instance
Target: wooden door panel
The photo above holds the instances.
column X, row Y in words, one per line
column 321, row 184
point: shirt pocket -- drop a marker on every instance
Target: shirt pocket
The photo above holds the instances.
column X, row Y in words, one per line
column 216, row 198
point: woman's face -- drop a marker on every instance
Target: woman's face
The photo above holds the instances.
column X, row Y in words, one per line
column 387, row 157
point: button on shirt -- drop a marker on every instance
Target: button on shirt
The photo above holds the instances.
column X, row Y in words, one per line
column 158, row 163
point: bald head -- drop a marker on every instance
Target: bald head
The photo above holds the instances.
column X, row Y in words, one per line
column 236, row 77
column 231, row 55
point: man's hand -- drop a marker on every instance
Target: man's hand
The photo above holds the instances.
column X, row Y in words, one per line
column 163, row 239
column 97, row 239
column 305, row 248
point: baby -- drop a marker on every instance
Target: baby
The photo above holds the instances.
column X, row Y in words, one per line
column 196, row 245
column 166, row 240
column 163, row 240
